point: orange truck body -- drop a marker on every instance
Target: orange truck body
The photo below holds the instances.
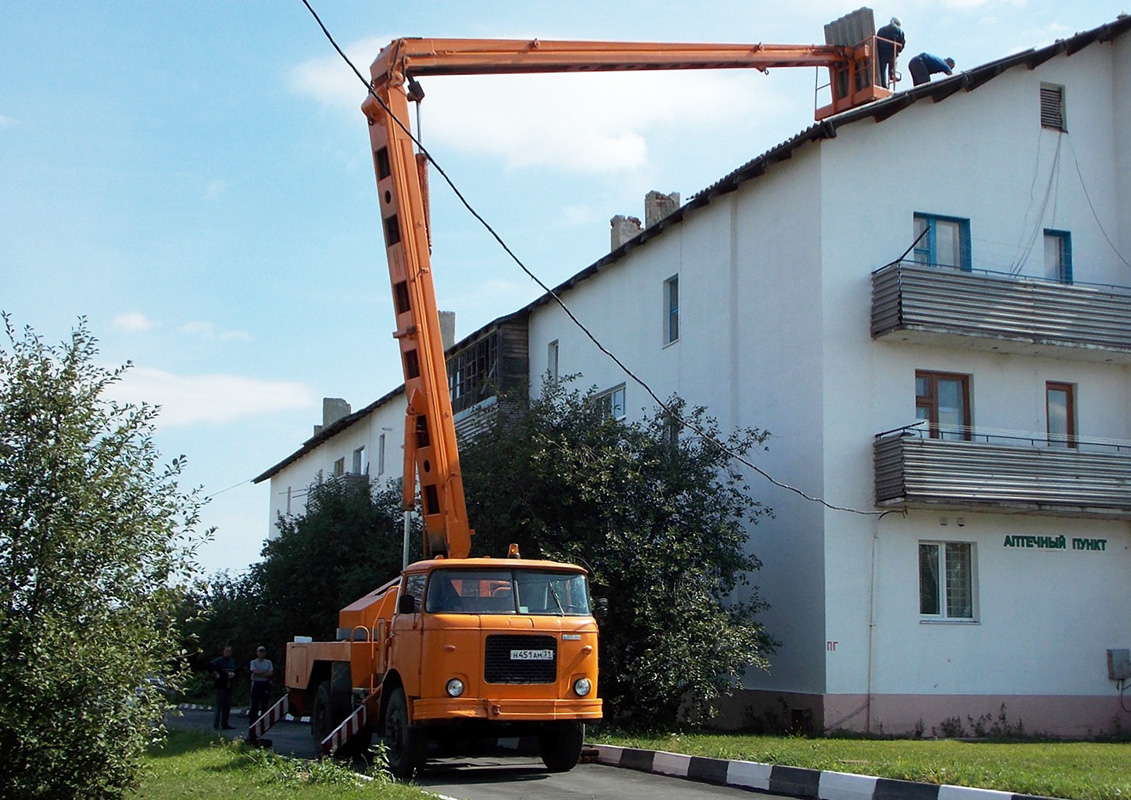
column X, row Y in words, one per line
column 460, row 647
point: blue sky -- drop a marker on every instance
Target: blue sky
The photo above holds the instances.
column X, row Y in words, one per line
column 194, row 179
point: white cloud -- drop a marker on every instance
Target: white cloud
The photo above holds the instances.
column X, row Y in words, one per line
column 189, row 399
column 5, row 121
column 329, row 80
column 208, row 330
column 215, row 188
column 133, row 322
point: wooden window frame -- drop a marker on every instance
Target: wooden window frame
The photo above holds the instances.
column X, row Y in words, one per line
column 1068, row 439
column 931, row 401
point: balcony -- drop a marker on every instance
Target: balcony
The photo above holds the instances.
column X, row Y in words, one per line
column 996, row 311
column 1003, row 472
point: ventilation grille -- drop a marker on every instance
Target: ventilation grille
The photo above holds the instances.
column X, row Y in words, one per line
column 513, row 658
column 1052, row 107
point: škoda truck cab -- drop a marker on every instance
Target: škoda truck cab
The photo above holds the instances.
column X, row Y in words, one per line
column 505, row 647
column 456, row 650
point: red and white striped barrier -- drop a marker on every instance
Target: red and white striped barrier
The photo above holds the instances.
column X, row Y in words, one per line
column 349, row 728
column 269, row 718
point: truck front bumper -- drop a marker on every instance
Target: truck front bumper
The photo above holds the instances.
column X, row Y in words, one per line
column 504, row 710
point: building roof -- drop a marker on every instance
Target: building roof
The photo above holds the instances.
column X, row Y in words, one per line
column 935, row 91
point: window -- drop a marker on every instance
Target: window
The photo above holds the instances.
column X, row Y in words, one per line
column 946, row 580
column 1052, row 107
column 1058, row 256
column 942, row 241
column 340, row 467
column 1060, row 405
column 552, row 361
column 612, row 402
column 414, row 588
column 381, row 454
column 671, row 309
column 360, row 465
column 942, row 400
column 505, row 591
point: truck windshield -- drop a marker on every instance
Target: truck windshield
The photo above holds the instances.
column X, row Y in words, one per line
column 507, row 591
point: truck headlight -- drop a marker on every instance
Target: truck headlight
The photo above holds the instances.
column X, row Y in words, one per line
column 455, row 687
column 582, row 686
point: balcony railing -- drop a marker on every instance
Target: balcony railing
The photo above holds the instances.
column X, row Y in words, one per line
column 1001, row 311
column 1001, row 470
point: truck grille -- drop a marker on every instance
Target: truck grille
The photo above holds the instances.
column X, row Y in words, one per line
column 510, row 658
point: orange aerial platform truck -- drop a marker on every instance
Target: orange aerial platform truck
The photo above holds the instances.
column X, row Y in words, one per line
column 458, row 648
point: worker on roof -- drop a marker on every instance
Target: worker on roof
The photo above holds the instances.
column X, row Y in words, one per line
column 889, row 44
column 924, row 65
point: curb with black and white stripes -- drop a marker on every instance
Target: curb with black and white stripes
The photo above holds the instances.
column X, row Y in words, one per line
column 811, row 784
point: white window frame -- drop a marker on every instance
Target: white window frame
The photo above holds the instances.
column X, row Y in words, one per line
column 360, row 465
column 552, row 352
column 612, row 402
column 944, row 552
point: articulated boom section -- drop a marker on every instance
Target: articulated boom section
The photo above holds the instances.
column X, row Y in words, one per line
column 430, row 439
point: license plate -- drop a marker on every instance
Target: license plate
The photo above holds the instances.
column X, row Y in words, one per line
column 532, row 655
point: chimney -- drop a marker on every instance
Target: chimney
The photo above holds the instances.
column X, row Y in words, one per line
column 658, row 205
column 333, row 409
column 624, row 228
column 447, row 329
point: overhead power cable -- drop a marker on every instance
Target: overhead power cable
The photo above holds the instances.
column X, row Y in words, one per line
column 688, row 424
column 1087, row 196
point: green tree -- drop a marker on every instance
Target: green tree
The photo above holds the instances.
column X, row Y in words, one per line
column 92, row 545
column 657, row 517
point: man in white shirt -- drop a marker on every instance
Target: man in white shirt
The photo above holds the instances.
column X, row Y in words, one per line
column 261, row 671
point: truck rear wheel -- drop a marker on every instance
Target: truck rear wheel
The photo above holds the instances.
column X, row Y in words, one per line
column 559, row 744
column 406, row 745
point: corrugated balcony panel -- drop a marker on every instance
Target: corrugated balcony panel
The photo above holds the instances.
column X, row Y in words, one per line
column 916, row 472
column 995, row 308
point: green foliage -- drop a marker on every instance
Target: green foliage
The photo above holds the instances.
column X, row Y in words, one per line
column 347, row 544
column 91, row 547
column 658, row 520
column 1075, row 770
column 195, row 764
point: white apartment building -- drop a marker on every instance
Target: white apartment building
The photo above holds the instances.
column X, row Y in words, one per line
column 925, row 301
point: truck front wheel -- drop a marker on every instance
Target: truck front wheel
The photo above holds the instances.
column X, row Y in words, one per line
column 404, row 743
column 559, row 744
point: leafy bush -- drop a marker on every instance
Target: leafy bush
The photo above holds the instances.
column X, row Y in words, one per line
column 90, row 551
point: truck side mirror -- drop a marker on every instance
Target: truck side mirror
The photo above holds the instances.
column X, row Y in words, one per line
column 406, row 604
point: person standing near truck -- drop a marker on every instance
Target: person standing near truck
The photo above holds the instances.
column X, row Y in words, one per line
column 223, row 669
column 261, row 671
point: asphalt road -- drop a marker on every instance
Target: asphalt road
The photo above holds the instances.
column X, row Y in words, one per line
column 493, row 777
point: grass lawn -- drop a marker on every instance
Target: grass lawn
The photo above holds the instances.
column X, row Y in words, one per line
column 193, row 764
column 1075, row 770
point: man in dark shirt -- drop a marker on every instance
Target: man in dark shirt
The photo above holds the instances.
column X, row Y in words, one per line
column 889, row 44
column 223, row 677
column 924, row 65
